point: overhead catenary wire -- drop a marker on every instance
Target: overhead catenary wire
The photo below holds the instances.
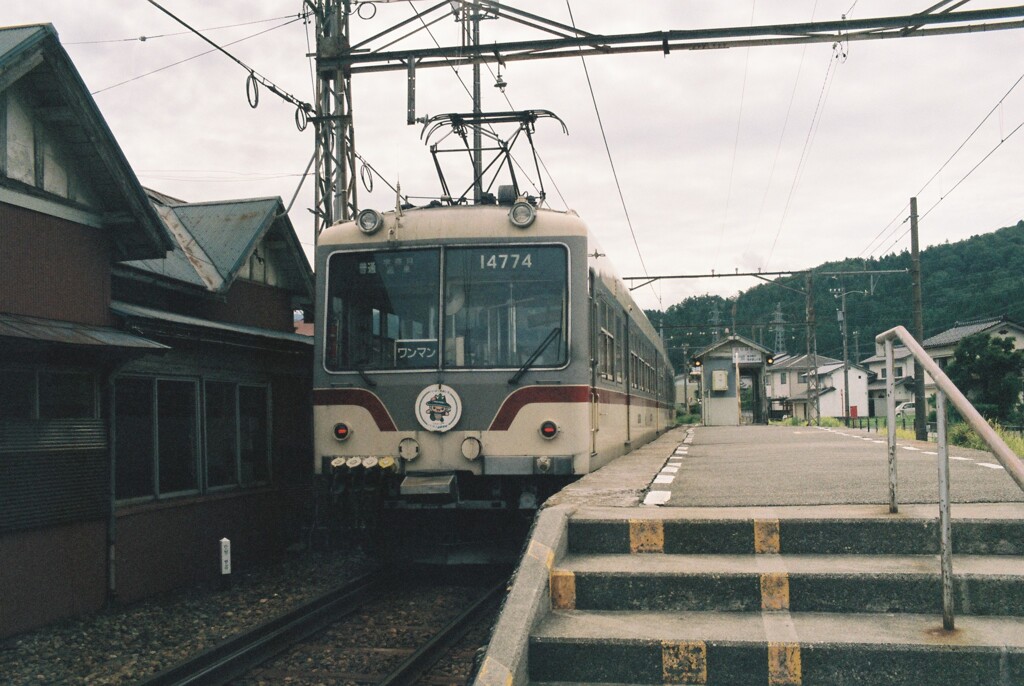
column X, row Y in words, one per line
column 611, row 161
column 808, row 142
column 735, row 143
column 254, row 76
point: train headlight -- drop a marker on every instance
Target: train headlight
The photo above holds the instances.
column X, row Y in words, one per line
column 369, row 221
column 341, row 431
column 522, row 214
column 408, row 449
column 548, row 430
column 471, row 448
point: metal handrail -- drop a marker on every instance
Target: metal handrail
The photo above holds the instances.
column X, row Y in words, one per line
column 945, row 388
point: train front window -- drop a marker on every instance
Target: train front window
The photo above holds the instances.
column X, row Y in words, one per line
column 503, row 304
column 382, row 310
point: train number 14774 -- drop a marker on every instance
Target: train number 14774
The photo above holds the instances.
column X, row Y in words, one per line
column 511, row 260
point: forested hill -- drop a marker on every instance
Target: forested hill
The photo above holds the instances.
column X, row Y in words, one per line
column 982, row 276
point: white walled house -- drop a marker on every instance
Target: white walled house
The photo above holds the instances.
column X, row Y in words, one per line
column 787, row 387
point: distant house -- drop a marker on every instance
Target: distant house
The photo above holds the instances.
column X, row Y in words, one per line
column 687, row 390
column 789, row 393
column 903, row 372
column 155, row 397
column 942, row 345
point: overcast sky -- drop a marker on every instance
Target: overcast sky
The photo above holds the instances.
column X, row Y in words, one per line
column 769, row 158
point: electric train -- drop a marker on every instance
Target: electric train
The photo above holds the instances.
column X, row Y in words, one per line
column 477, row 356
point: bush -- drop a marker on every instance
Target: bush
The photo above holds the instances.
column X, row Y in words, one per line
column 964, row 436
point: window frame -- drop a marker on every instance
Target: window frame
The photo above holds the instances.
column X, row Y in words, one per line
column 200, row 442
column 567, row 311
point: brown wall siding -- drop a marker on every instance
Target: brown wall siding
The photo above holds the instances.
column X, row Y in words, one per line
column 253, row 304
column 51, row 574
column 163, row 546
column 53, row 268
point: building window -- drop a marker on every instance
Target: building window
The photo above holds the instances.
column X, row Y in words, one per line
column 783, row 378
column 47, row 394
column 898, row 372
column 254, row 419
column 221, row 434
column 156, row 434
column 164, row 445
column 134, row 437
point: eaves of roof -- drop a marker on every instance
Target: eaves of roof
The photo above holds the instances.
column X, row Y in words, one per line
column 33, row 56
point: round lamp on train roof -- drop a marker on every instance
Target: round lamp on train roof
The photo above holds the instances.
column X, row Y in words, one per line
column 522, row 214
column 369, row 221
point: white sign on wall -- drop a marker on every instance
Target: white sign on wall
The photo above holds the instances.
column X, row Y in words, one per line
column 744, row 355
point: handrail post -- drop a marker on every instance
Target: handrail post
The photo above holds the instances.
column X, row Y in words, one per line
column 890, row 409
column 945, row 528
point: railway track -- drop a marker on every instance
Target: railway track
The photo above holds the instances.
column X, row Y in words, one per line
column 383, row 628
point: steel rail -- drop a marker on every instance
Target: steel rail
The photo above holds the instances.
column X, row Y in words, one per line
column 239, row 654
column 413, row 667
column 946, row 389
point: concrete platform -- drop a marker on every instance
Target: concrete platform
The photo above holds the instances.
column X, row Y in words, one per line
column 768, row 557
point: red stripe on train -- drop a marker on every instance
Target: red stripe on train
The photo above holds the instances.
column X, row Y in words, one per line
column 536, row 394
column 359, row 397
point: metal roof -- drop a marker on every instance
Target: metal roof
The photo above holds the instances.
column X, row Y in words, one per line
column 33, row 57
column 139, row 312
column 962, row 330
column 733, row 338
column 214, row 240
column 70, row 333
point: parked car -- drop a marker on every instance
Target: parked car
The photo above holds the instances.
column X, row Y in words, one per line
column 907, row 409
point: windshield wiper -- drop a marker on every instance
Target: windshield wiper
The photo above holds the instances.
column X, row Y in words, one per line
column 359, row 369
column 536, row 353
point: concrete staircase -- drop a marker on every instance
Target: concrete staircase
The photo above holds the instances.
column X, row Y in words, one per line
column 831, row 595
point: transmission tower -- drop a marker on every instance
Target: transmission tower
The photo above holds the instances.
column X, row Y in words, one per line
column 779, row 328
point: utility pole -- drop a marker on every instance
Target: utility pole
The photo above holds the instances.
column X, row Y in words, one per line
column 920, row 402
column 812, row 355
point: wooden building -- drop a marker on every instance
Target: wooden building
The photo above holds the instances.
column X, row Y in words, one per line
column 155, row 397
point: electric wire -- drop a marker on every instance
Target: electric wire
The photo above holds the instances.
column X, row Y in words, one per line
column 937, row 172
column 611, row 161
column 143, row 39
column 805, row 151
column 782, row 136
column 189, row 59
column 735, row 143
column 957, row 184
column 253, row 74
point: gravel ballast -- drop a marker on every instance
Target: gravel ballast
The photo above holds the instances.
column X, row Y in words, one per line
column 126, row 643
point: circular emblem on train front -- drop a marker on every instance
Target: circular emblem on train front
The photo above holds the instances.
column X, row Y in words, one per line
column 438, row 408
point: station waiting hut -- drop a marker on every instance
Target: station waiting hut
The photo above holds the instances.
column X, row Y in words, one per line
column 732, row 382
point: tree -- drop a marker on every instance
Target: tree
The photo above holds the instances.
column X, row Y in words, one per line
column 990, row 373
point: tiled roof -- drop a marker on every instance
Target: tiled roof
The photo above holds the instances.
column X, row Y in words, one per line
column 962, row 330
